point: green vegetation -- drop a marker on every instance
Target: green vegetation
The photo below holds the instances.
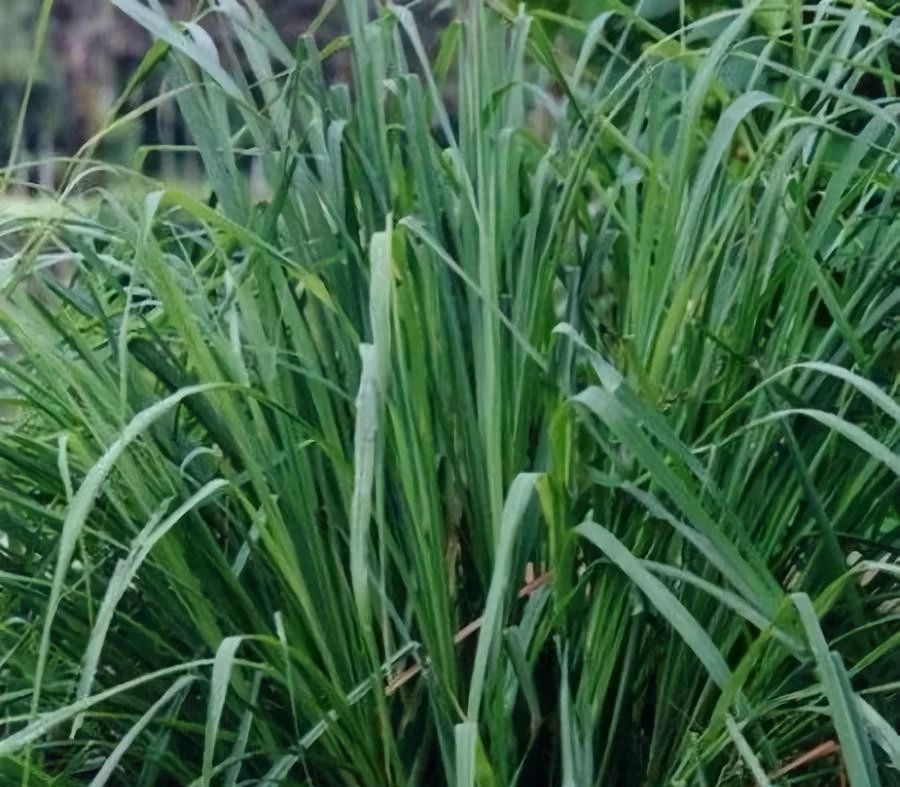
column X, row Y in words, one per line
column 548, row 437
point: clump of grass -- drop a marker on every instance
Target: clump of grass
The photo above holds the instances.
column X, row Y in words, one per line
column 471, row 454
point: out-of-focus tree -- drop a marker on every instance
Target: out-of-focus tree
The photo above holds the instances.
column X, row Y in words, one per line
column 90, row 51
column 16, row 46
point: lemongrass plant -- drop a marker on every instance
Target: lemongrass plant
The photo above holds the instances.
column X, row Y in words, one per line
column 547, row 435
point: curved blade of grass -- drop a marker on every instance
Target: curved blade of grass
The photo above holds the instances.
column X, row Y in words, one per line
column 755, row 582
column 47, row 721
column 613, row 382
column 855, row 747
column 881, row 732
column 516, row 503
column 83, row 502
column 124, row 574
column 852, row 432
column 731, row 600
column 746, row 752
column 243, row 734
column 221, row 677
column 662, row 598
column 161, row 28
column 693, row 536
column 866, row 387
column 111, row 763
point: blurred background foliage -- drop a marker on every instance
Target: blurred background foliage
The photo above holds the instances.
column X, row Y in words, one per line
column 91, row 50
column 87, row 58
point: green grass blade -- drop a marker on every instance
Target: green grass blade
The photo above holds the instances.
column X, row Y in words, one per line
column 218, row 689
column 747, row 753
column 112, row 761
column 517, row 500
column 671, row 609
column 855, row 747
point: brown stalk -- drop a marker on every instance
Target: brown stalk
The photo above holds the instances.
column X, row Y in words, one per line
column 400, row 678
column 816, row 753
